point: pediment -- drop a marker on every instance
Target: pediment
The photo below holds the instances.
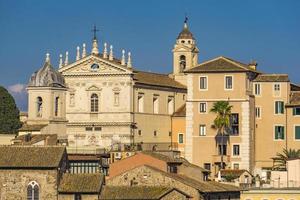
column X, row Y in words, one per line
column 93, row 88
column 181, row 48
column 94, row 65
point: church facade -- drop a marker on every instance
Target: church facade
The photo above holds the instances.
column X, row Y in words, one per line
column 98, row 100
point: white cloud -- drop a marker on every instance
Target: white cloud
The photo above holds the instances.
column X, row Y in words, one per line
column 17, row 88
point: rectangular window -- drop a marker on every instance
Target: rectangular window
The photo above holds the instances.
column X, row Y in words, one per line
column 140, row 105
column 116, row 98
column 236, row 150
column 180, row 138
column 202, row 107
column 97, row 128
column 297, row 132
column 155, row 133
column 236, row 166
column 228, row 83
column 258, row 112
column 89, row 128
column 279, row 132
column 202, row 130
column 203, row 83
column 234, row 122
column 276, row 90
column 276, row 87
column 224, row 149
column 279, row 107
column 207, row 166
column 257, row 88
column 155, row 105
column 170, row 105
column 77, row 196
column 140, row 132
column 296, row 111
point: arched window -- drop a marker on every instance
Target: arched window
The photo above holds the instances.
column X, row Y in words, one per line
column 56, row 106
column 182, row 63
column 39, row 105
column 33, row 191
column 94, row 103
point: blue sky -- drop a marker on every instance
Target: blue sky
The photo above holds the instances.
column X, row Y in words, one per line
column 266, row 31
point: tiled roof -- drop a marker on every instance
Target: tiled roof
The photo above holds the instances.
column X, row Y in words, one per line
column 202, row 186
column 162, row 157
column 221, row 64
column 295, row 99
column 170, row 159
column 180, row 112
column 134, row 192
column 31, row 156
column 83, row 157
column 81, row 183
column 272, row 78
column 27, row 127
column 51, row 139
column 295, row 87
column 233, row 172
column 155, row 79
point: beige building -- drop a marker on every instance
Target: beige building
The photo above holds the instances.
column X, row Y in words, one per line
column 98, row 100
column 265, row 113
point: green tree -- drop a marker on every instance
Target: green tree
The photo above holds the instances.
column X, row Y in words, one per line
column 222, row 121
column 9, row 113
column 281, row 158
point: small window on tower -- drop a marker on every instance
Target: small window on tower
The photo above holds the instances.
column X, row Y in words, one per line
column 182, row 63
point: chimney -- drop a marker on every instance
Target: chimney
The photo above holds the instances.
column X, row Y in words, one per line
column 253, row 65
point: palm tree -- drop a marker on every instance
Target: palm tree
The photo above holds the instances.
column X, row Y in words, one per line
column 222, row 121
column 281, row 158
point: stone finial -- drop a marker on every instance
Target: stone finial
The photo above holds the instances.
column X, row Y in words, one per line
column 129, row 64
column 47, row 58
column 67, row 58
column 95, row 49
column 123, row 57
column 105, row 50
column 83, row 50
column 60, row 60
column 111, row 54
column 77, row 53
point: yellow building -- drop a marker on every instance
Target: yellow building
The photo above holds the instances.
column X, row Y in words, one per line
column 265, row 113
column 271, row 194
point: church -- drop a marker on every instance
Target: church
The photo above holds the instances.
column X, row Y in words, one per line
column 99, row 100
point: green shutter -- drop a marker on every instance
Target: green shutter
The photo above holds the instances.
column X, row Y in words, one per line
column 276, row 107
column 282, row 107
column 297, row 132
column 276, row 132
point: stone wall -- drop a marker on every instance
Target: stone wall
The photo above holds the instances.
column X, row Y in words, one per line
column 13, row 183
column 146, row 176
column 174, row 195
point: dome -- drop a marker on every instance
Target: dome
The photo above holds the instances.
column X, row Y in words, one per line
column 185, row 33
column 47, row 76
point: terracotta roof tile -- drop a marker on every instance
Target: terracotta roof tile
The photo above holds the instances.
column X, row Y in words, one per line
column 81, row 183
column 272, row 78
column 133, row 192
column 31, row 156
column 295, row 99
column 154, row 79
column 233, row 172
column 27, row 127
column 35, row 138
column 221, row 64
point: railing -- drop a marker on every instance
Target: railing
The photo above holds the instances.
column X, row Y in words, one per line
column 157, row 146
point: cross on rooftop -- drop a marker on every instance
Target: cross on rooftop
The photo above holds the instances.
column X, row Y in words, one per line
column 95, row 30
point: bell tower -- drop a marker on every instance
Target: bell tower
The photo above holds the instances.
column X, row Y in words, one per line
column 185, row 53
